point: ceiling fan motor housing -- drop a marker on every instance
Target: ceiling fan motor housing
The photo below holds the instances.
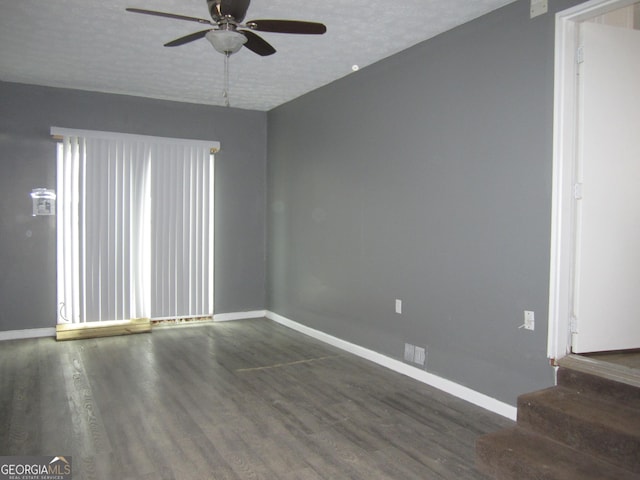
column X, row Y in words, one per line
column 219, row 9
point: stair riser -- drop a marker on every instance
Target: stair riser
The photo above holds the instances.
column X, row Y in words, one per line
column 585, row 428
column 517, row 454
column 626, row 395
column 499, row 468
column 583, row 434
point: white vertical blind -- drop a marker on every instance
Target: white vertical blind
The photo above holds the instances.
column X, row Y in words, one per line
column 68, row 238
column 135, row 227
column 112, row 224
column 181, row 188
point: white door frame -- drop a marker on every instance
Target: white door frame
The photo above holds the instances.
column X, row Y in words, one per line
column 565, row 151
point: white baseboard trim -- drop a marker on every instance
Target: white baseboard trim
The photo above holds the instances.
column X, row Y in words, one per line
column 229, row 317
column 452, row 388
column 27, row 333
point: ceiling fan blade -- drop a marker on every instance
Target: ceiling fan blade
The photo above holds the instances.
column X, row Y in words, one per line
column 170, row 15
column 287, row 26
column 187, row 38
column 257, row 44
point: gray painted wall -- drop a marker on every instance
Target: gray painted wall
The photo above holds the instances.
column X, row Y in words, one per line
column 425, row 177
column 27, row 159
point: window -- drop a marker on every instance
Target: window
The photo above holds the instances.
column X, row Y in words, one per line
column 135, row 227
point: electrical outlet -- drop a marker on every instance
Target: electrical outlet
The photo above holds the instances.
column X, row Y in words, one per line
column 529, row 320
column 398, row 306
column 538, row 7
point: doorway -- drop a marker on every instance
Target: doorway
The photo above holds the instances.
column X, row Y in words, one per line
column 584, row 282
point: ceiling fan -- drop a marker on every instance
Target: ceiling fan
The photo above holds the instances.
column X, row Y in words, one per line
column 229, row 34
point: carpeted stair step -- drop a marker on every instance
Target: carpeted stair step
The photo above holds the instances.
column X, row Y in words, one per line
column 607, row 381
column 520, row 454
column 608, row 430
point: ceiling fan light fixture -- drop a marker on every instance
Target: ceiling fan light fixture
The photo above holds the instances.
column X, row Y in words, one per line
column 226, row 41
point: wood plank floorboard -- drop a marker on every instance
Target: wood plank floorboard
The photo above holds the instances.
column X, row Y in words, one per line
column 236, row 400
column 628, row 358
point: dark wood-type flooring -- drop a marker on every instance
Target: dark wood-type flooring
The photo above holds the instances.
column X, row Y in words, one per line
column 236, row 400
column 629, row 358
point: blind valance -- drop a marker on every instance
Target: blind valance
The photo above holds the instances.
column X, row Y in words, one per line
column 60, row 132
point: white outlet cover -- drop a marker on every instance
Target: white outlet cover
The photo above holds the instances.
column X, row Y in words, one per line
column 398, row 305
column 529, row 320
column 539, row 7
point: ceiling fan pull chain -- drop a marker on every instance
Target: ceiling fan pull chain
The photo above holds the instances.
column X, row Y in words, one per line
column 225, row 92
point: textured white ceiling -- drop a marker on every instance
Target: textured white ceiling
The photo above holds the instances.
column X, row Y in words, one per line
column 96, row 45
